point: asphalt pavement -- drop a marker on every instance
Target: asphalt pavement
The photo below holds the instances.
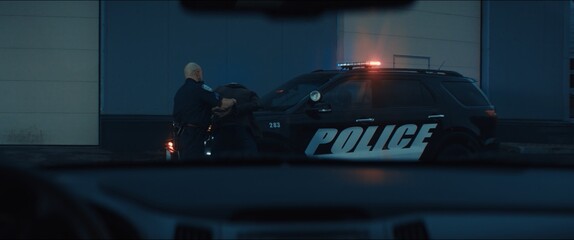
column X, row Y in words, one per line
column 34, row 155
column 537, row 148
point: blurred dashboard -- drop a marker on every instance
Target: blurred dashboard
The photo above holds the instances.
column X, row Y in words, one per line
column 324, row 201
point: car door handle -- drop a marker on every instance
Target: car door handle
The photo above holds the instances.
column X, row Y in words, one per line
column 365, row 120
column 436, row 116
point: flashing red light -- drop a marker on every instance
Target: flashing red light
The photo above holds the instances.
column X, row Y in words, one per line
column 374, row 63
column 351, row 65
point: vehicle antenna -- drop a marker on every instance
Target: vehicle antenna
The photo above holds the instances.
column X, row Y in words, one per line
column 441, row 64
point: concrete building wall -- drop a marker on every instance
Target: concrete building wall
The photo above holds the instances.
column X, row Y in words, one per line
column 525, row 58
column 49, row 72
column 147, row 44
column 445, row 32
column 571, row 28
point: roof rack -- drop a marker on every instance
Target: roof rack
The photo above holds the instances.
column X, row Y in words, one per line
column 413, row 70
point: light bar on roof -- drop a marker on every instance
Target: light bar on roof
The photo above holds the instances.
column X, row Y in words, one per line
column 359, row 64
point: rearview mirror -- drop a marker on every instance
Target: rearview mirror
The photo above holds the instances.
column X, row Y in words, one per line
column 291, row 8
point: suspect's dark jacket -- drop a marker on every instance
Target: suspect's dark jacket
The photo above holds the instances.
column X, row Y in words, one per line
column 242, row 112
column 193, row 103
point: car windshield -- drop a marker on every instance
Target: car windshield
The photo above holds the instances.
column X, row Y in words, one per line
column 179, row 81
column 286, row 119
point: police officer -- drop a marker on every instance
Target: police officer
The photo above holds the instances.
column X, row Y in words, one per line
column 192, row 110
column 235, row 133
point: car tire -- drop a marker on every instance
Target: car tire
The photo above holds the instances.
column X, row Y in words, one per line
column 455, row 152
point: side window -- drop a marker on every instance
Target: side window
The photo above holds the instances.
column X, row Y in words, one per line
column 351, row 94
column 401, row 93
column 467, row 93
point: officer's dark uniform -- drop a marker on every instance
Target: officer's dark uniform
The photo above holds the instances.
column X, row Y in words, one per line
column 235, row 134
column 192, row 110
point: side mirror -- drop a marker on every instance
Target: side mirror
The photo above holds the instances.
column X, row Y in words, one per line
column 315, row 96
column 317, row 106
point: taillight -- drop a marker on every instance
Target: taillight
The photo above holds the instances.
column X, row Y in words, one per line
column 490, row 113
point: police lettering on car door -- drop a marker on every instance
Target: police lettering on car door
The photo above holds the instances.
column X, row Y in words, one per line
column 407, row 141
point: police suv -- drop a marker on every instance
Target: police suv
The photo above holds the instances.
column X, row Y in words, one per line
column 362, row 112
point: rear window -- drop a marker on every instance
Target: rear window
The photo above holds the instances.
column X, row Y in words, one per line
column 466, row 93
column 401, row 93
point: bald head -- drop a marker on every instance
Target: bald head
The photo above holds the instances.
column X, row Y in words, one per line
column 193, row 70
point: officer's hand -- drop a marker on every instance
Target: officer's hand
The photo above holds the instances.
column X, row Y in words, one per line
column 227, row 103
column 219, row 112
